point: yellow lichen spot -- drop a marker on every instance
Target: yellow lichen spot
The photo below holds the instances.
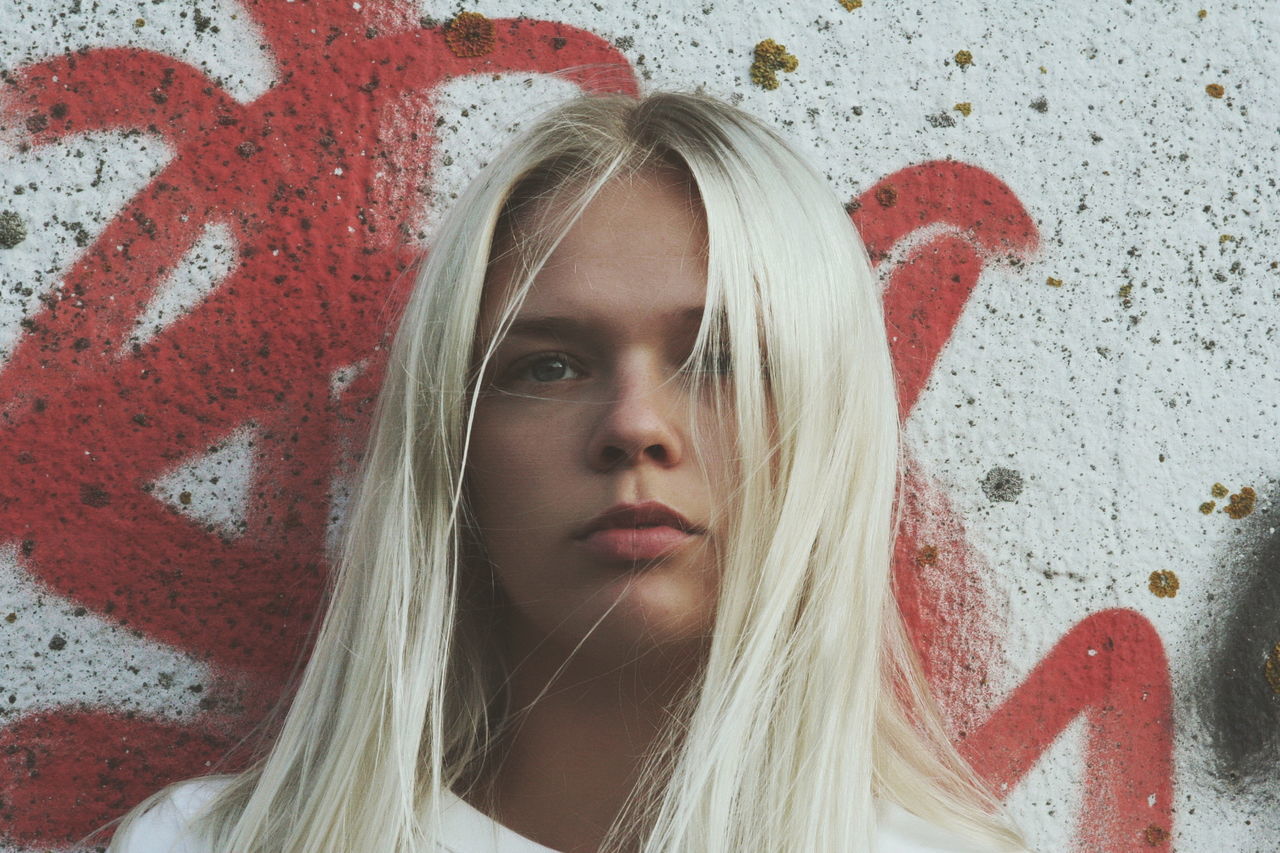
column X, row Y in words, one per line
column 770, row 58
column 964, row 58
column 140, row 23
column 469, row 34
column 964, row 107
column 927, row 555
column 1226, row 238
column 1163, row 583
column 1207, row 507
column 1241, row 503
column 1219, row 491
column 1272, row 668
column 1215, row 90
column 850, row 5
column 1202, row 14
column 1044, row 70
column 1053, row 282
column 1125, row 290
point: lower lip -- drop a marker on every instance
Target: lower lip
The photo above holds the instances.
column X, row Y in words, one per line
column 635, row 543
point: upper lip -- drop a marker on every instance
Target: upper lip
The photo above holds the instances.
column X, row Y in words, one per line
column 635, row 515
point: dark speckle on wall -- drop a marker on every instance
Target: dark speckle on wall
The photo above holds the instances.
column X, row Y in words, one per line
column 1002, row 484
column 12, row 229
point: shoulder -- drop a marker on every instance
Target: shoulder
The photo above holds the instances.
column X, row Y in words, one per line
column 164, row 827
column 900, row 831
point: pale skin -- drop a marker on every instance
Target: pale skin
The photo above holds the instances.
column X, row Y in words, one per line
column 575, row 423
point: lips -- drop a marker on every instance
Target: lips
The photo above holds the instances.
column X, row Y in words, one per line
column 639, row 515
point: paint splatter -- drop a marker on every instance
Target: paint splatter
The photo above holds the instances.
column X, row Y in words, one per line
column 927, row 555
column 469, row 34
column 1163, row 583
column 1002, row 484
column 1219, row 490
column 964, row 108
column 964, row 58
column 1207, row 507
column 1053, row 282
column 1241, row 503
column 770, row 58
column 12, row 229
column 1215, row 90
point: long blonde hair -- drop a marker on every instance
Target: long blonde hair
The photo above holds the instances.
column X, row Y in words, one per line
column 809, row 704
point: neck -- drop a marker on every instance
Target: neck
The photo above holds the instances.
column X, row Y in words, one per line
column 574, row 755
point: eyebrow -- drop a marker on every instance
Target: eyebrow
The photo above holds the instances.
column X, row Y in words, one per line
column 557, row 326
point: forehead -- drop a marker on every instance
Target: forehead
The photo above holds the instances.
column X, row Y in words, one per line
column 636, row 256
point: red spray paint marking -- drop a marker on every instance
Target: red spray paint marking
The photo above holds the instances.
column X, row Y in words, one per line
column 306, row 299
column 1111, row 667
column 318, row 186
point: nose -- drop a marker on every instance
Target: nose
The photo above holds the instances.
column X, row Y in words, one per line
column 640, row 422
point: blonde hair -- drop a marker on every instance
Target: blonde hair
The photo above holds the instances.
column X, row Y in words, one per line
column 809, row 703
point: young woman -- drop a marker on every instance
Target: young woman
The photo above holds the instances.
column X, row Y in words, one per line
column 616, row 576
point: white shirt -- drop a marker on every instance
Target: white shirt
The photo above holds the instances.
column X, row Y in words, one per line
column 466, row 829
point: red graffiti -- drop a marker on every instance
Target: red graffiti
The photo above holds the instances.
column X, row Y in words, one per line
column 318, row 181
column 1111, row 667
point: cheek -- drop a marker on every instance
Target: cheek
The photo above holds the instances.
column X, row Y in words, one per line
column 511, row 461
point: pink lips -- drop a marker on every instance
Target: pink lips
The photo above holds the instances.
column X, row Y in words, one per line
column 636, row 543
column 632, row 532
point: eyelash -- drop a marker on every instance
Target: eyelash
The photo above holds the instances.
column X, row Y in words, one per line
column 518, row 370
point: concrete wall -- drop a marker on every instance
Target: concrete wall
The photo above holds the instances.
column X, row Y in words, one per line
column 205, row 208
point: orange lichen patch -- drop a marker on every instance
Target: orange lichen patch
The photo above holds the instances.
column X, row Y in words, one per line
column 1207, row 507
column 1163, row 583
column 964, row 107
column 770, row 58
column 1215, row 90
column 850, row 5
column 964, row 58
column 1219, row 491
column 927, row 555
column 1271, row 670
column 887, row 196
column 1155, row 835
column 469, row 34
column 1241, row 503
column 1053, row 282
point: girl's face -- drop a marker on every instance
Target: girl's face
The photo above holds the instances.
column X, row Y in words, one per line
column 578, row 415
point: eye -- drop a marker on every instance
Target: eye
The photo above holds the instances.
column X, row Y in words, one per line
column 548, row 367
